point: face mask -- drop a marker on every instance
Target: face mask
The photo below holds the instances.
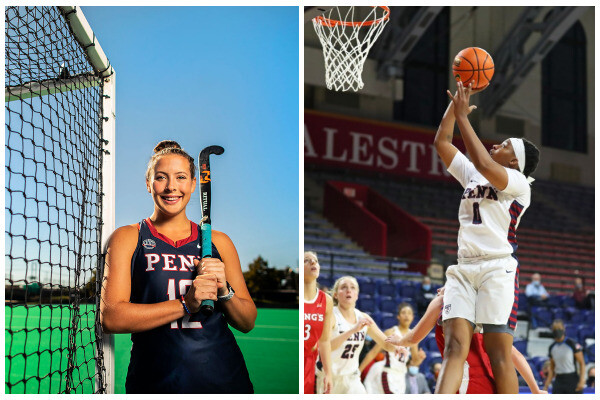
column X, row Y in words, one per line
column 413, row 370
column 536, row 283
column 558, row 333
column 590, row 381
column 578, row 285
column 426, row 287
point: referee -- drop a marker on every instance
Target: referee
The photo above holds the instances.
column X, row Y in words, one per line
column 564, row 353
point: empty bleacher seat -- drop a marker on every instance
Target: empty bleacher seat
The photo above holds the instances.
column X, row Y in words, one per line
column 585, row 332
column 432, row 358
column 591, row 352
column 429, row 343
column 386, row 288
column 572, row 331
column 535, row 370
column 367, row 286
column 540, row 317
column 366, row 303
column 388, row 321
column 554, row 301
column 387, row 304
column 409, row 300
column 325, row 280
column 408, row 290
column 523, row 304
column 538, row 362
column 521, row 345
column 377, row 316
column 559, row 313
column 574, row 316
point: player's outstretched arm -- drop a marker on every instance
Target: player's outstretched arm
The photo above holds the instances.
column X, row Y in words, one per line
column 240, row 310
column 524, row 369
column 379, row 337
column 325, row 343
column 423, row 327
column 443, row 138
column 117, row 314
column 482, row 160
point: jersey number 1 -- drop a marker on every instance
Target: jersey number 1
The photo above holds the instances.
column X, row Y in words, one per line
column 476, row 214
column 183, row 285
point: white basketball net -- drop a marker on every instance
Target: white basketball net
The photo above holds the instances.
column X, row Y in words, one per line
column 346, row 43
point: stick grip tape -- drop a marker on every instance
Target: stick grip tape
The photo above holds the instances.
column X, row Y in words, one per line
column 208, row 306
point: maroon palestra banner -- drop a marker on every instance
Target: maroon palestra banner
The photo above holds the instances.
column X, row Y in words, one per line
column 360, row 144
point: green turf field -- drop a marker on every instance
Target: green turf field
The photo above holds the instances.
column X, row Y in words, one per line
column 270, row 350
column 36, row 355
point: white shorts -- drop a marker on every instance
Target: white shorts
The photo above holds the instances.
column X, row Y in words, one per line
column 344, row 384
column 483, row 292
column 381, row 380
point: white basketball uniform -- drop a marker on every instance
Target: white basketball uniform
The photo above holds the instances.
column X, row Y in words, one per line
column 483, row 286
column 389, row 374
column 345, row 359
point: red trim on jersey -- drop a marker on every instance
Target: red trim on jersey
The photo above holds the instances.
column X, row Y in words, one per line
column 385, row 383
column 179, row 243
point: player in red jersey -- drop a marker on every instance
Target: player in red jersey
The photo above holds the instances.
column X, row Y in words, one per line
column 318, row 308
column 478, row 377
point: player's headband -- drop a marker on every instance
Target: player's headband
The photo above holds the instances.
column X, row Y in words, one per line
column 519, row 148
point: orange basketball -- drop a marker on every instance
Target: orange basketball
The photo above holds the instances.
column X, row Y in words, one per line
column 473, row 64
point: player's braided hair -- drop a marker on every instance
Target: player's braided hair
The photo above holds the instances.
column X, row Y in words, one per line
column 532, row 157
column 167, row 147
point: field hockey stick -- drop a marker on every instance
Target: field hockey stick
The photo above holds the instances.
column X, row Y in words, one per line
column 207, row 307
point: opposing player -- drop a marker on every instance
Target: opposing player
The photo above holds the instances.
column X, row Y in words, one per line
column 154, row 283
column 389, row 375
column 318, row 308
column 483, row 287
column 478, row 377
column 348, row 337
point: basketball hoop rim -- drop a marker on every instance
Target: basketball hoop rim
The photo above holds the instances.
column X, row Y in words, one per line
column 334, row 22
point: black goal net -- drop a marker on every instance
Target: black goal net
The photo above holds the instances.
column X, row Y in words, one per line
column 53, row 197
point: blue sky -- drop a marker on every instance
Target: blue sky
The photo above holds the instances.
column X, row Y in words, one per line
column 204, row 76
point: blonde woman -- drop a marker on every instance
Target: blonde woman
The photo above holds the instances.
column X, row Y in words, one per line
column 349, row 331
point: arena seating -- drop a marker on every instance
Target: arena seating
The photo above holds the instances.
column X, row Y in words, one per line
column 349, row 259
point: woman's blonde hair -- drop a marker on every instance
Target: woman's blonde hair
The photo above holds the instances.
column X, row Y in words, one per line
column 312, row 253
column 337, row 283
column 167, row 147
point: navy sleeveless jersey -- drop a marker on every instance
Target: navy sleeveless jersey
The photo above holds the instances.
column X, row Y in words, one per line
column 196, row 354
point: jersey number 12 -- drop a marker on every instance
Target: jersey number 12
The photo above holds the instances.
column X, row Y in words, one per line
column 183, row 285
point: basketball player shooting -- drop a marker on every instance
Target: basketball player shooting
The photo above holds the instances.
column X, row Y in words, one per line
column 483, row 287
